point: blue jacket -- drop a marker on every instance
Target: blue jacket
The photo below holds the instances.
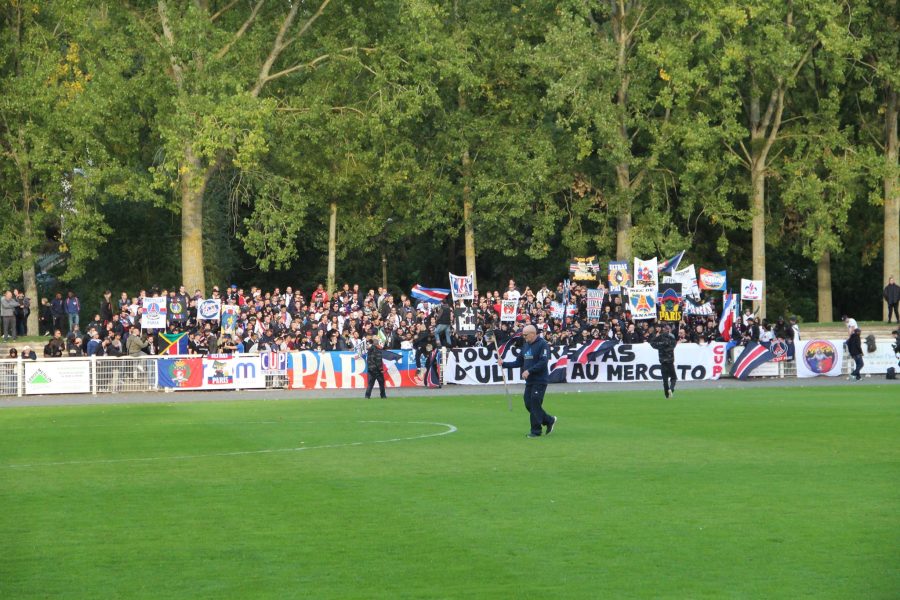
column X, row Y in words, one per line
column 533, row 358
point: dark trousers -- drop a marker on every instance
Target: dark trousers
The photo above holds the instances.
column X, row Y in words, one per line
column 858, row 359
column 668, row 376
column 892, row 308
column 59, row 322
column 534, row 402
column 373, row 377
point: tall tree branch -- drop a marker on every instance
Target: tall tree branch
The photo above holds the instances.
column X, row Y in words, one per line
column 240, row 32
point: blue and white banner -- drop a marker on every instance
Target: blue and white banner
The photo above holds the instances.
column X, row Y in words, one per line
column 209, row 309
column 153, row 312
column 462, row 288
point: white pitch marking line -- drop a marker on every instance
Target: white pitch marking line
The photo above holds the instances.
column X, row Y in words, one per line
column 450, row 429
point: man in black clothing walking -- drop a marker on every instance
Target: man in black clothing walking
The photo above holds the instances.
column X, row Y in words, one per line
column 375, row 365
column 664, row 343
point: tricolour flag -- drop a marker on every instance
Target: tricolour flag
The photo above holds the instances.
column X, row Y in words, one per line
column 173, row 343
column 726, row 320
column 671, row 264
column 753, row 355
column 433, row 295
column 508, row 344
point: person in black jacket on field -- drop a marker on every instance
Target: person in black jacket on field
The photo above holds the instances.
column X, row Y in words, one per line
column 664, row 343
column 533, row 360
column 375, row 365
column 854, row 349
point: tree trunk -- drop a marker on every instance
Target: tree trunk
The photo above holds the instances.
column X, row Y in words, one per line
column 30, row 280
column 332, row 248
column 623, row 220
column 891, row 192
column 824, row 295
column 758, row 208
column 467, row 219
column 193, row 187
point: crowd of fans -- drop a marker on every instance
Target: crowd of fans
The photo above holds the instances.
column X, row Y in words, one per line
column 287, row 319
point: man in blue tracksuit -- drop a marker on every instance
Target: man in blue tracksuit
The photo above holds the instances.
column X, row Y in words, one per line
column 533, row 360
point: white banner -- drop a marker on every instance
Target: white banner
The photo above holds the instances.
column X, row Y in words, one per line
column 595, row 303
column 622, row 363
column 57, row 377
column 687, row 277
column 751, row 289
column 820, row 357
column 882, row 359
column 462, row 288
column 232, row 372
column 508, row 310
column 646, row 273
column 153, row 312
column 642, row 303
column 209, row 310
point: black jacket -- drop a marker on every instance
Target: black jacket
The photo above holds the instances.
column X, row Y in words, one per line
column 374, row 360
column 892, row 293
column 664, row 344
column 854, row 345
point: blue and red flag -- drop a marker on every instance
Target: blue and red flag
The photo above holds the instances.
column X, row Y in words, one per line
column 508, row 344
column 589, row 351
column 671, row 264
column 753, row 355
column 433, row 295
column 432, row 375
column 558, row 370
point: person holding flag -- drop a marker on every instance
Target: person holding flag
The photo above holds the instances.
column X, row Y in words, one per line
column 533, row 360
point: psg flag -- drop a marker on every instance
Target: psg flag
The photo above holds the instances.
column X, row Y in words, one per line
column 753, row 355
column 590, row 351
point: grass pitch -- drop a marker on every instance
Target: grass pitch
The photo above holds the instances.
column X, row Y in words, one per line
column 751, row 493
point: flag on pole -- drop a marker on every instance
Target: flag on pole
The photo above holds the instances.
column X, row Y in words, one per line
column 753, row 355
column 589, row 351
column 462, row 287
column 433, row 295
column 671, row 264
column 726, row 321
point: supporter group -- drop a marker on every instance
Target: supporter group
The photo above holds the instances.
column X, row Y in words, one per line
column 289, row 319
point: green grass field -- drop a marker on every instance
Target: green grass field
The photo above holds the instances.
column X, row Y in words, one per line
column 754, row 493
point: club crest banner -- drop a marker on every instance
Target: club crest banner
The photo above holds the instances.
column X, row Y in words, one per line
column 209, row 310
column 646, row 274
column 584, row 268
column 713, row 280
column 618, row 277
column 642, row 303
column 153, row 313
column 462, row 288
column 670, row 302
column 751, row 289
column 820, row 357
column 508, row 309
column 594, row 303
column 229, row 318
column 177, row 310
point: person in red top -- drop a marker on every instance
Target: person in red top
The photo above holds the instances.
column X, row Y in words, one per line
column 320, row 295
